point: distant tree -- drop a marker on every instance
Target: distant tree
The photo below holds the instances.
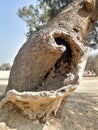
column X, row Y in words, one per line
column 92, row 63
column 5, row 66
column 35, row 17
column 55, row 6
column 92, row 40
column 38, row 16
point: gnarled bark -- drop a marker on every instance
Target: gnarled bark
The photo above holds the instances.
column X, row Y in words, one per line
column 51, row 63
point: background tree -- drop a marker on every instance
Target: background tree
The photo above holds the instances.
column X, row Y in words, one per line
column 5, row 66
column 92, row 40
column 38, row 16
column 55, row 6
column 35, row 17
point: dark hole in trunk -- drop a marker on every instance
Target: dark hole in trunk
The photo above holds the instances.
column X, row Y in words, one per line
column 63, row 65
column 60, row 70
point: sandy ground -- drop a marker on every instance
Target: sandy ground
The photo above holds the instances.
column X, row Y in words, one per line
column 4, row 75
column 80, row 112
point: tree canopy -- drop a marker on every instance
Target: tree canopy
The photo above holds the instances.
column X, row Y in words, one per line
column 38, row 16
column 92, row 40
column 5, row 66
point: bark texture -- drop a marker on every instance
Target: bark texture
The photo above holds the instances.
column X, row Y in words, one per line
column 52, row 61
column 57, row 48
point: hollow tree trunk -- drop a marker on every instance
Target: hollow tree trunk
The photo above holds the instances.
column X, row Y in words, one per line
column 52, row 61
column 58, row 47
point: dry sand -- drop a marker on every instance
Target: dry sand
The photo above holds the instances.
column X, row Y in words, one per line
column 80, row 112
column 4, row 75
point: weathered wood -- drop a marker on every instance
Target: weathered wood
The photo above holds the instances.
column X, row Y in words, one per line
column 52, row 61
column 40, row 54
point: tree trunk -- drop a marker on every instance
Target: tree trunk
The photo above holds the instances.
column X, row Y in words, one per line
column 52, row 61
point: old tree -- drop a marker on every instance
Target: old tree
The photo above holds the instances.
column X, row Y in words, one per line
column 49, row 66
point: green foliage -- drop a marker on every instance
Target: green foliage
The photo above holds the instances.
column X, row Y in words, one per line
column 35, row 17
column 38, row 16
column 58, row 4
column 55, row 6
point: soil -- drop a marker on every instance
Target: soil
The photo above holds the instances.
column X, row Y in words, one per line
column 80, row 112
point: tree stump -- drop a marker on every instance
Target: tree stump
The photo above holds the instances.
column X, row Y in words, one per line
column 50, row 65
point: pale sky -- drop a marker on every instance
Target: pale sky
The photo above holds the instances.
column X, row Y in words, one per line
column 12, row 28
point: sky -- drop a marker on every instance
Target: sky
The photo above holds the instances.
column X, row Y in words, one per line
column 12, row 29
